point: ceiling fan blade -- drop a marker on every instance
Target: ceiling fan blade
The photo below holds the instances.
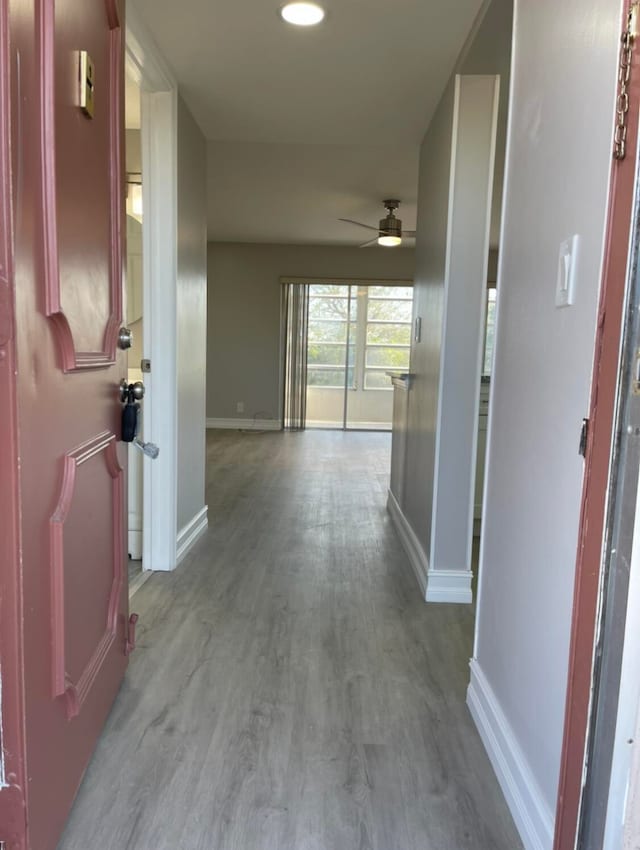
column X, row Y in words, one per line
column 359, row 223
column 370, row 242
column 410, row 234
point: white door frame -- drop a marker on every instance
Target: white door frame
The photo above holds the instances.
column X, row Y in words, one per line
column 159, row 135
column 628, row 705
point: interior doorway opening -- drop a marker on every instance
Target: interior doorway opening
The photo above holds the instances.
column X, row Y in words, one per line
column 151, row 293
column 489, row 325
column 134, row 315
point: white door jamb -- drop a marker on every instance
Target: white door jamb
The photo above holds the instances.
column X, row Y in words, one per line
column 159, row 101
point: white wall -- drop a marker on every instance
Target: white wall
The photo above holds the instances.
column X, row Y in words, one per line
column 564, row 84
column 191, row 319
column 473, row 152
column 243, row 360
column 631, row 834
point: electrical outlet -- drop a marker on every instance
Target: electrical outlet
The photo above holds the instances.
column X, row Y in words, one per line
column 240, row 407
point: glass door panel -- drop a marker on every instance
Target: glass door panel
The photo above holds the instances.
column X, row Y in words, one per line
column 356, row 335
column 384, row 344
column 328, row 341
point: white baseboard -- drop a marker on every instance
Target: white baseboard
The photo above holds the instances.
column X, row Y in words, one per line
column 410, row 543
column 188, row 535
column 383, row 427
column 246, row 424
column 532, row 816
column 436, row 585
column 317, row 423
column 142, row 577
column 135, row 535
column 449, row 586
column 134, row 546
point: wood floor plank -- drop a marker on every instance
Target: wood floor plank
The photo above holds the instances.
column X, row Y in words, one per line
column 290, row 690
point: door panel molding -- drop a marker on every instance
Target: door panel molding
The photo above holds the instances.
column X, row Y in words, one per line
column 113, row 14
column 76, row 692
column 6, row 298
column 69, row 563
column 72, row 359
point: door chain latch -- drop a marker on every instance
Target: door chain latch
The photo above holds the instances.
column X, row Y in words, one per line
column 584, row 435
column 624, row 79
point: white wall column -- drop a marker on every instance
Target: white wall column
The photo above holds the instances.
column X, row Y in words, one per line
column 470, row 196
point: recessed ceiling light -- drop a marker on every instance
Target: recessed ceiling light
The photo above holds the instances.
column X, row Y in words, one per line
column 302, row 14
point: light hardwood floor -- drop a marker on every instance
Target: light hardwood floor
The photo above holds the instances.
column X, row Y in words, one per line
column 290, row 690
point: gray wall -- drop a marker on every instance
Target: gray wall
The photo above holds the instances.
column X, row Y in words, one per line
column 488, row 52
column 431, row 254
column 133, row 151
column 542, row 372
column 191, row 305
column 243, row 361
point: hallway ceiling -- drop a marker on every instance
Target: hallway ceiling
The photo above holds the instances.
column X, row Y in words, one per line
column 369, row 77
column 296, row 193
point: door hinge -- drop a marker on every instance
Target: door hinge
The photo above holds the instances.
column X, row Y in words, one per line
column 624, row 76
column 6, row 314
column 584, row 436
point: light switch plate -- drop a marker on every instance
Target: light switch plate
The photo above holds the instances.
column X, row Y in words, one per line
column 567, row 270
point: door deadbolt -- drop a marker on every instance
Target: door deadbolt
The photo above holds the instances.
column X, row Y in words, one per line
column 125, row 338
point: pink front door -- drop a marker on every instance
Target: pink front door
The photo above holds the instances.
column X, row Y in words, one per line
column 67, row 575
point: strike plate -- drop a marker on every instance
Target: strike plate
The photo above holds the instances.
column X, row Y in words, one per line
column 87, row 84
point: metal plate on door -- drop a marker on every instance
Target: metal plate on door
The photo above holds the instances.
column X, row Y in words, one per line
column 87, row 84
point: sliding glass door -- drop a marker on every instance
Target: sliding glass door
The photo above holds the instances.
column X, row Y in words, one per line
column 356, row 333
column 330, row 353
column 383, row 345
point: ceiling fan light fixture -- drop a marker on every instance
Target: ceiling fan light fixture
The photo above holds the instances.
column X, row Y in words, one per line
column 388, row 241
column 389, row 230
column 390, row 233
column 302, row 14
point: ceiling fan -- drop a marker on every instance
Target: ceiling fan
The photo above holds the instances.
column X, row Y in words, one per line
column 390, row 232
